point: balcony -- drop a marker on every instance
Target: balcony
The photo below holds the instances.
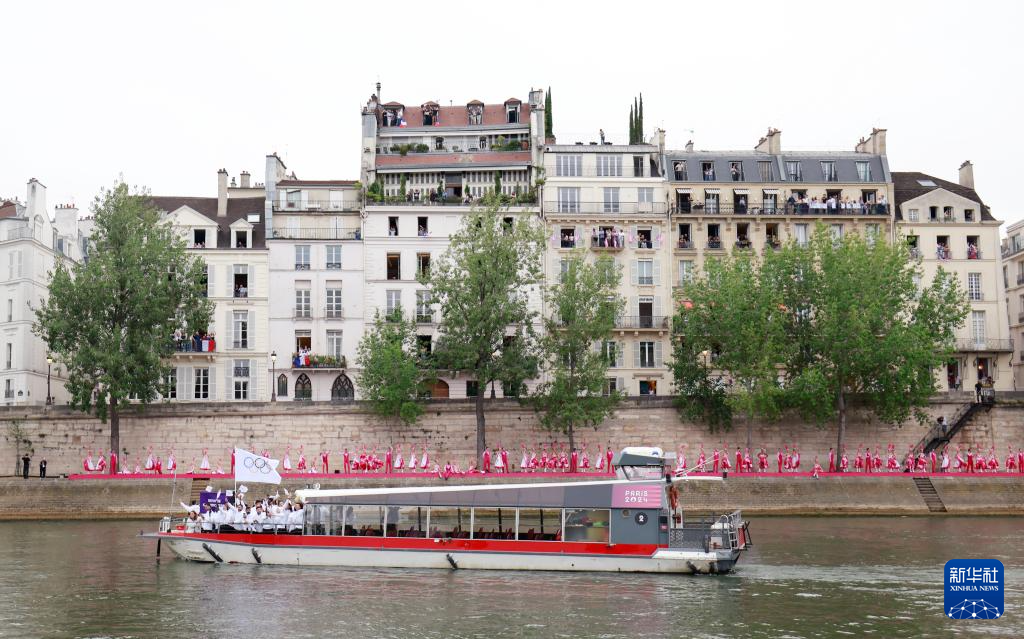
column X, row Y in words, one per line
column 685, row 245
column 197, row 347
column 606, row 208
column 743, row 244
column 762, row 208
column 301, row 313
column 8, row 394
column 1020, row 317
column 714, row 245
column 318, row 362
column 915, row 253
column 333, row 313
column 20, row 233
column 1010, row 250
column 302, row 266
column 424, row 318
column 314, row 206
column 972, row 345
column 241, row 371
column 319, row 233
column 973, row 253
column 523, row 199
column 642, row 322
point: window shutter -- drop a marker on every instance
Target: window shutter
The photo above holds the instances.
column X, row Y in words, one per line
column 555, row 238
column 227, row 330
column 212, row 377
column 254, row 380
column 229, row 387
column 229, row 277
column 657, row 354
column 579, row 236
column 657, row 302
column 252, row 330
column 634, row 306
column 634, row 238
column 210, row 279
column 619, row 358
column 620, row 384
column 636, row 354
column 556, row 270
column 634, row 266
column 656, row 271
column 658, row 238
column 185, row 390
column 251, row 272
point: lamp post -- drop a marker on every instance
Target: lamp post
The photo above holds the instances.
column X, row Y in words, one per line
column 49, row 365
column 273, row 376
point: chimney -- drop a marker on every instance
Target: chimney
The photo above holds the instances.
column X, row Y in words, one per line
column 36, row 203
column 222, row 193
column 874, row 144
column 967, row 175
column 689, row 146
column 245, row 179
column 659, row 139
column 771, row 142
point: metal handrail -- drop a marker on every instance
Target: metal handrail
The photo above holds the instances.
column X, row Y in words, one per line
column 782, row 208
column 608, row 208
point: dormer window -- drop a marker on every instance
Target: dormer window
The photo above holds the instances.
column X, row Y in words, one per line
column 512, row 111
column 430, row 114
column 241, row 239
column 736, row 171
column 679, row 170
column 198, row 238
column 475, row 112
column 392, row 114
column 828, row 172
column 968, row 215
column 707, row 170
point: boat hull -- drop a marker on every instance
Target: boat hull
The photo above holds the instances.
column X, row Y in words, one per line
column 294, row 552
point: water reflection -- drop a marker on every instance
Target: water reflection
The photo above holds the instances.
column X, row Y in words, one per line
column 806, row 577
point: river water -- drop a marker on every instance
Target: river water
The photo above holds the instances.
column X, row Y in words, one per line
column 805, row 577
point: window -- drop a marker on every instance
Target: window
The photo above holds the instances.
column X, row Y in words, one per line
column 711, row 202
column 333, row 256
column 736, row 171
column 10, row 356
column 423, row 264
column 334, row 344
column 644, row 238
column 974, row 287
column 563, row 269
column 205, row 281
column 394, row 301
column 685, row 239
column 764, row 171
column 538, row 524
column 241, row 239
column 293, row 199
column 685, row 271
column 714, row 237
column 422, row 226
column 864, row 171
column 611, row 352
column 947, row 214
column 968, row 215
column 394, row 266
column 424, row 313
column 568, row 199
column 472, row 388
column 707, row 171
column 423, row 345
column 241, row 283
column 645, row 194
column 568, row 165
column 913, row 215
column 303, row 388
column 282, row 385
column 393, row 226
column 679, row 170
column 609, row 166
column 926, row 183
column 611, row 199
column 333, row 302
column 800, row 232
column 646, row 354
column 795, row 171
column 201, row 383
column 303, row 340
column 302, row 257
column 240, row 332
column 10, row 310
column 512, row 113
column 871, row 234
column 198, row 238
column 978, row 328
column 241, row 382
column 645, row 272
column 933, row 213
column 837, row 232
column 828, row 172
column 302, row 306
column 587, row 525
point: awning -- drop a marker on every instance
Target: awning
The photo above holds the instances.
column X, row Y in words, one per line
column 712, row 190
column 740, row 191
column 776, row 191
column 683, row 190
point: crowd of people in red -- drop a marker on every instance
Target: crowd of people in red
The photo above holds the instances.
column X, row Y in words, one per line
column 560, row 458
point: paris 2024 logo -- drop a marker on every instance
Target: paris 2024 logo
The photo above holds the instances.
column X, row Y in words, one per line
column 974, row 589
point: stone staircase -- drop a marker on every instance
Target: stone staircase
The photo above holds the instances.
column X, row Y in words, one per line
column 930, row 496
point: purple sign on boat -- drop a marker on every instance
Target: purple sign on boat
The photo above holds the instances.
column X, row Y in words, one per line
column 213, row 500
column 636, row 495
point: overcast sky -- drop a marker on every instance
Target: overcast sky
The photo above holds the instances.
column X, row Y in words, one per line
column 167, row 93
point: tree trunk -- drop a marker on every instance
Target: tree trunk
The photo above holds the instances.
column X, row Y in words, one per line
column 841, row 405
column 115, row 430
column 481, row 439
column 572, row 438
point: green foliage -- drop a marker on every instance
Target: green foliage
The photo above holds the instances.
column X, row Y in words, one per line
column 376, row 191
column 391, row 377
column 480, row 285
column 834, row 319
column 549, row 127
column 406, row 148
column 401, row 186
column 497, row 184
column 583, row 309
column 109, row 320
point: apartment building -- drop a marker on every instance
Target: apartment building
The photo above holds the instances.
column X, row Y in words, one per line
column 610, row 199
column 228, row 233
column 432, row 163
column 1013, row 283
column 316, row 278
column 947, row 225
column 32, row 243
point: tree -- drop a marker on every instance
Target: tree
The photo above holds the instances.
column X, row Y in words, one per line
column 497, row 184
column 549, row 127
column 16, row 433
column 632, row 124
column 640, row 121
column 861, row 325
column 481, row 285
column 109, row 319
column 733, row 324
column 583, row 310
column 401, row 186
column 391, row 376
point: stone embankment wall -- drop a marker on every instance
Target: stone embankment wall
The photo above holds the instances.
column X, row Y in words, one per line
column 834, row 495
column 447, row 430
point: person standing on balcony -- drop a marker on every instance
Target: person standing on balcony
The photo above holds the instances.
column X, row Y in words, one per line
column 977, row 391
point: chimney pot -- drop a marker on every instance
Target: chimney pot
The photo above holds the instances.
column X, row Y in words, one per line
column 967, row 174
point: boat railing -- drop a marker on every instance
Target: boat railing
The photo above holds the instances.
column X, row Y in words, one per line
column 167, row 524
column 709, row 533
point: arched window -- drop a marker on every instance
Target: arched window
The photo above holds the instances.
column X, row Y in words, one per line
column 303, row 388
column 439, row 389
column 342, row 390
column 282, row 385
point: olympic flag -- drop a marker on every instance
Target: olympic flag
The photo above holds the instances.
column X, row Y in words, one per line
column 253, row 468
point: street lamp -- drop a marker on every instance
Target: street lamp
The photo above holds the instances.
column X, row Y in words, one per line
column 49, row 364
column 273, row 376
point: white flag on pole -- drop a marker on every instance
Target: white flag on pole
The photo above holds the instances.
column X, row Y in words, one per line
column 253, row 468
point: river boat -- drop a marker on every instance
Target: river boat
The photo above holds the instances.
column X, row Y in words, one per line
column 632, row 523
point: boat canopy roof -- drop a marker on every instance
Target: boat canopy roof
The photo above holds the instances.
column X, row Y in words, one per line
column 579, row 494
